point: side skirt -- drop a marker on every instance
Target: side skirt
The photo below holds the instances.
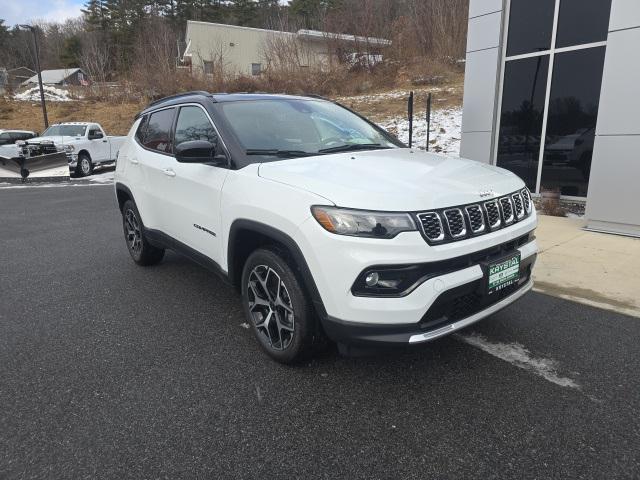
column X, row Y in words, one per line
column 162, row 240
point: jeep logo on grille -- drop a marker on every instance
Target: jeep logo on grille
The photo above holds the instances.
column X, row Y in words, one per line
column 486, row 193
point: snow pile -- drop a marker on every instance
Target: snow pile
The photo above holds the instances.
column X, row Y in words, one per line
column 445, row 130
column 51, row 94
column 102, row 177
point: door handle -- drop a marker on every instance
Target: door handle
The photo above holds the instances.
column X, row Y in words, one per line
column 134, row 161
column 169, row 172
column 104, row 141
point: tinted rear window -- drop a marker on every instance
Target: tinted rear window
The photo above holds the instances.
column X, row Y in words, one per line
column 142, row 128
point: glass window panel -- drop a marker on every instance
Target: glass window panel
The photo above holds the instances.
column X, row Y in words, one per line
column 193, row 124
column 571, row 123
column 530, row 26
column 582, row 21
column 158, row 134
column 521, row 116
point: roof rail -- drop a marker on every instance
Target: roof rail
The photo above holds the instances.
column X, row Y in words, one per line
column 178, row 95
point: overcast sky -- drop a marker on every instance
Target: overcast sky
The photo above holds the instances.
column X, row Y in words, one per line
column 25, row 11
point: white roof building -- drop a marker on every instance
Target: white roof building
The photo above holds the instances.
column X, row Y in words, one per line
column 61, row 76
column 229, row 50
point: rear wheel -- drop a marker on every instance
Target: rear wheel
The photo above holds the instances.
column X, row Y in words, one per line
column 142, row 252
column 277, row 307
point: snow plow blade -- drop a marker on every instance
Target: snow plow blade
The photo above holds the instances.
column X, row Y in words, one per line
column 52, row 166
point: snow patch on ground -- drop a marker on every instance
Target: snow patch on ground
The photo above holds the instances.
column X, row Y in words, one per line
column 51, row 94
column 101, row 177
column 392, row 95
column 517, row 355
column 445, row 131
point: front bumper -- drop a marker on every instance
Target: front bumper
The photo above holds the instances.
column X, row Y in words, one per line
column 72, row 158
column 448, row 320
column 423, row 314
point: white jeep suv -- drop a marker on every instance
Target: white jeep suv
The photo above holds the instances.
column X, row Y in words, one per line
column 327, row 225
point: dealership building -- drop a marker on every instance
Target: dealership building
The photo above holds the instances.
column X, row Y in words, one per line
column 552, row 93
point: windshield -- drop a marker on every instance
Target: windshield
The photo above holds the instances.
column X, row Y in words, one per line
column 273, row 129
column 65, row 131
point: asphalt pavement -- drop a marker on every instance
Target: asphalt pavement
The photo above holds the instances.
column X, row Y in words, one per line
column 110, row 370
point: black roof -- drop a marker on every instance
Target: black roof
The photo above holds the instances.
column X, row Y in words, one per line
column 202, row 96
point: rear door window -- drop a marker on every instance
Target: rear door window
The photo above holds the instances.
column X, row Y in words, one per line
column 142, row 129
column 158, row 132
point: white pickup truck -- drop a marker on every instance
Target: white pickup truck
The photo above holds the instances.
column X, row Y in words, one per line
column 86, row 145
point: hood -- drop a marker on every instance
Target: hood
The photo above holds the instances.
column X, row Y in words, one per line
column 58, row 140
column 392, row 180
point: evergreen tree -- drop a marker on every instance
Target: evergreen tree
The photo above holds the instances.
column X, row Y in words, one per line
column 71, row 51
column 311, row 11
column 244, row 12
column 95, row 14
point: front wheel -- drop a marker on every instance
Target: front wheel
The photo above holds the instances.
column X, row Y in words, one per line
column 277, row 307
column 85, row 165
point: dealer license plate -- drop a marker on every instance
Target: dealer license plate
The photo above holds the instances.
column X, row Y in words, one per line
column 503, row 273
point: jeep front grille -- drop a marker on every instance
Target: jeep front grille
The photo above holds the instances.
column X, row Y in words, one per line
column 476, row 218
column 431, row 226
column 455, row 222
column 518, row 205
column 493, row 214
column 506, row 207
column 464, row 221
column 526, row 200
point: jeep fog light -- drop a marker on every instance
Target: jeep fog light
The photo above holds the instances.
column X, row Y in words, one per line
column 372, row 279
column 388, row 281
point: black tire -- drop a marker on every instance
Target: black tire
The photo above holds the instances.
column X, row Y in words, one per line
column 295, row 334
column 142, row 252
column 85, row 165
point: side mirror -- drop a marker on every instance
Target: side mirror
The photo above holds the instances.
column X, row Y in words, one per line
column 200, row 151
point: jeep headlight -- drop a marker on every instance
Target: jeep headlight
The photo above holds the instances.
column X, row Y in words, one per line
column 69, row 148
column 362, row 223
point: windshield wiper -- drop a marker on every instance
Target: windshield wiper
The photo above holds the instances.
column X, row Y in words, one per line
column 278, row 153
column 352, row 147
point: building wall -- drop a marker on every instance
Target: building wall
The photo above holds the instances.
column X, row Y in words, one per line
column 234, row 49
column 481, row 78
column 615, row 169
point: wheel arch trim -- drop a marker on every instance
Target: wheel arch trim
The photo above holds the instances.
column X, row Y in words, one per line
column 123, row 188
column 280, row 237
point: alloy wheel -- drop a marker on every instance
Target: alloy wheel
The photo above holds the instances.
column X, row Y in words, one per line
column 270, row 307
column 134, row 236
column 85, row 166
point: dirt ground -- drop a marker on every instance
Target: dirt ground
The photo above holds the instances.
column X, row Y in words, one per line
column 117, row 117
column 382, row 106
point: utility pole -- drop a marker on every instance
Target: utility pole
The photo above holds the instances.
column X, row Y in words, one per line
column 35, row 43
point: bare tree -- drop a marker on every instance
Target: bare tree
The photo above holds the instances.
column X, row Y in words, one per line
column 95, row 57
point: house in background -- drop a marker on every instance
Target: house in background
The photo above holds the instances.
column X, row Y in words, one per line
column 552, row 93
column 60, row 78
column 214, row 48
